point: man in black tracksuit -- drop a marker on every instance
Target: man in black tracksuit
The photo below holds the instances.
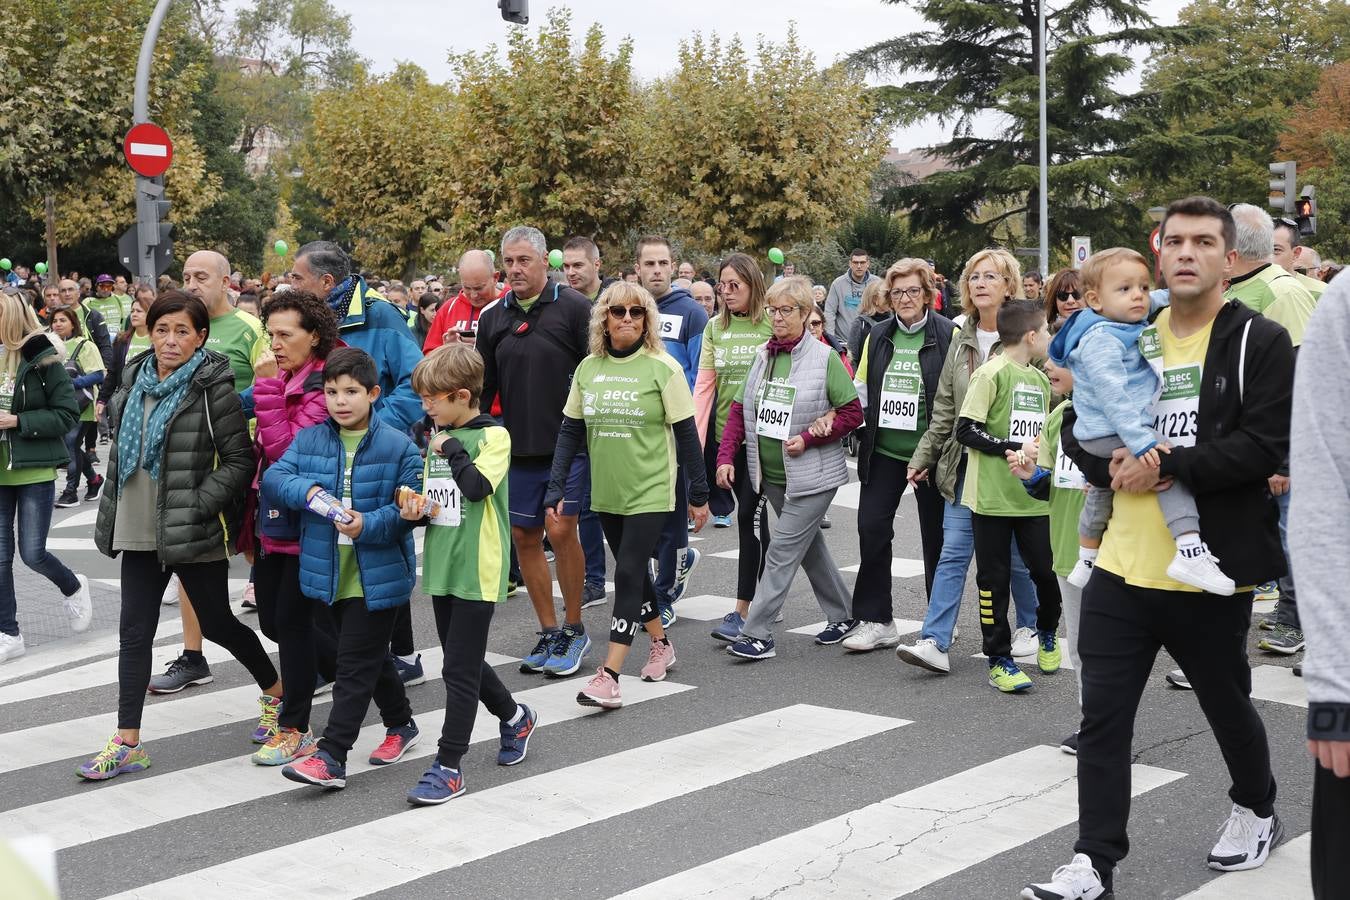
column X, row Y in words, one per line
column 1228, row 378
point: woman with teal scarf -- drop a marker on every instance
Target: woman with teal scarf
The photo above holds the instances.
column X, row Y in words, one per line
column 173, row 504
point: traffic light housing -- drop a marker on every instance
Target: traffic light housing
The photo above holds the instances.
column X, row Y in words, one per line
column 1305, row 212
column 517, row 11
column 1283, row 185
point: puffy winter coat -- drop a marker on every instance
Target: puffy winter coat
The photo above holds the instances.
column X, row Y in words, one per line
column 283, row 405
column 385, row 460
column 44, row 401
column 205, row 467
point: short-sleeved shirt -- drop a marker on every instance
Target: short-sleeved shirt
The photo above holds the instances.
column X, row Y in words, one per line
column 628, row 405
column 349, row 573
column 240, row 337
column 471, row 560
column 113, row 310
column 902, row 392
column 89, row 361
column 138, row 345
column 1067, row 494
column 730, row 352
column 1012, row 401
column 1277, row 295
column 1137, row 545
column 839, row 390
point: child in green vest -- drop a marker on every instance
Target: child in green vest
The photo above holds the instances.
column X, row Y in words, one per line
column 466, row 560
column 1005, row 409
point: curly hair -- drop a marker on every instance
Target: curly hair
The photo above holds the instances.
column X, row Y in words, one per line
column 621, row 293
column 315, row 315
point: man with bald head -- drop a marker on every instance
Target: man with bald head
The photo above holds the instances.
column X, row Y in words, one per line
column 457, row 320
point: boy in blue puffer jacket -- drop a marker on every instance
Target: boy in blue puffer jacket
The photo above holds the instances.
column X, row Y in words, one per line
column 1124, row 399
column 356, row 555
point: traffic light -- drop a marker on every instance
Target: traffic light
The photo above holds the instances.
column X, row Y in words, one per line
column 1283, row 186
column 1305, row 211
column 517, row 11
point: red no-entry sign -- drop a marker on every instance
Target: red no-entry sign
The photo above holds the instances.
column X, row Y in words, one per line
column 148, row 149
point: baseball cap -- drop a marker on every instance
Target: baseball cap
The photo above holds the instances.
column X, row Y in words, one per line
column 103, row 279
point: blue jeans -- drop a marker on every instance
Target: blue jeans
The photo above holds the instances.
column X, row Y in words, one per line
column 33, row 504
column 592, row 541
column 949, row 582
column 1286, row 611
column 79, row 459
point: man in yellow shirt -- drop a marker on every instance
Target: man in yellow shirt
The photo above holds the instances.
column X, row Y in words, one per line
column 1224, row 409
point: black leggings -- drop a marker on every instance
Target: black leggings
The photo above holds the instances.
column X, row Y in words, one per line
column 878, row 505
column 632, row 541
column 143, row 583
column 993, row 574
column 303, row 630
column 463, row 629
column 752, row 525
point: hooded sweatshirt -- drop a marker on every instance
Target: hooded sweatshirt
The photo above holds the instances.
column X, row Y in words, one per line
column 682, row 322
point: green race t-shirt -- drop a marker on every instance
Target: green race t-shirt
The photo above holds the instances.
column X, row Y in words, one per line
column 903, row 417
column 628, row 406
column 527, row 303
column 15, row 477
column 89, row 360
column 729, row 352
column 468, row 550
column 349, row 573
column 839, row 390
column 112, row 309
column 240, row 337
column 1011, row 400
column 138, row 345
column 1067, row 493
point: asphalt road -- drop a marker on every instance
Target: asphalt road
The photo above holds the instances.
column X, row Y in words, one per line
column 815, row 774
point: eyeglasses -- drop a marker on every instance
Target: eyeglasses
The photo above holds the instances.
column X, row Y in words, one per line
column 780, row 312
column 429, row 400
column 814, row 324
column 914, row 293
column 635, row 313
column 728, row 285
column 1065, row 295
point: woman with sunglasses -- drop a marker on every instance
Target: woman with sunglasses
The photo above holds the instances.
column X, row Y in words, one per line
column 730, row 344
column 795, row 406
column 630, row 408
column 897, row 383
column 1064, row 297
column 815, row 326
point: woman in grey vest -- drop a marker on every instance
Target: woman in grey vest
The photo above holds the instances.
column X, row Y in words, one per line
column 795, row 406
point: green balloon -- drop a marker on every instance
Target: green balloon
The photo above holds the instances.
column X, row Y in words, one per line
column 280, row 248
column 6, row 264
column 555, row 259
column 40, row 268
column 775, row 256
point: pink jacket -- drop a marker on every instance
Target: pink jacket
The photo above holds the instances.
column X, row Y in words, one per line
column 283, row 405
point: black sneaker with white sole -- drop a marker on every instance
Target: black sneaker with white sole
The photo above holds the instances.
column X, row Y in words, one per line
column 181, row 673
column 1177, row 679
column 1245, row 840
column 68, row 499
column 1070, row 744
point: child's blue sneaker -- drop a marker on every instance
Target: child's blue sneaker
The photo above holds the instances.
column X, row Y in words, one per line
column 516, row 738
column 437, row 785
column 569, row 649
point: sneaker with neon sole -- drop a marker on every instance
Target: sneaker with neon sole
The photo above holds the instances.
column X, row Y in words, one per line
column 267, row 720
column 1006, row 676
column 117, row 758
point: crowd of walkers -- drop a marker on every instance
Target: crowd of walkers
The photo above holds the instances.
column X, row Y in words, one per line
column 1108, row 451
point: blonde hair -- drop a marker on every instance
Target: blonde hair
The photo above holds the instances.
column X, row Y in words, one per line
column 874, row 298
column 903, row 268
column 621, row 293
column 1007, row 266
column 450, row 368
column 796, row 288
column 1090, row 276
column 18, row 323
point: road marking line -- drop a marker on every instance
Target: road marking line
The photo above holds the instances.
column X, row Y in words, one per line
column 1278, row 684
column 900, row 567
column 1285, row 875
column 704, row 607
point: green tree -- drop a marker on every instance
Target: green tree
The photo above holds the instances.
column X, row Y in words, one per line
column 876, row 230
column 752, row 155
column 979, row 59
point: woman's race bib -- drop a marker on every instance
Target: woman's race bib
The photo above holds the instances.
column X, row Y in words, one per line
column 775, row 410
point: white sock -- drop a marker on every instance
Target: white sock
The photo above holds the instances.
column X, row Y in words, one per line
column 1088, row 555
column 520, row 714
column 410, row 659
column 1189, row 545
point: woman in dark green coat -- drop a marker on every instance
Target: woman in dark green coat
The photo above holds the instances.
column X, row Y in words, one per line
column 37, row 408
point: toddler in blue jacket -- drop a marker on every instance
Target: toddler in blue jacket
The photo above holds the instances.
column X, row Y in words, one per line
column 1115, row 359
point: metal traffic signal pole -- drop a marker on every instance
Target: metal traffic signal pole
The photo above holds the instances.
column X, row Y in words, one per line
column 149, row 191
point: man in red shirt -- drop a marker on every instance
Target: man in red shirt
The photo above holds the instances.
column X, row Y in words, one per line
column 457, row 318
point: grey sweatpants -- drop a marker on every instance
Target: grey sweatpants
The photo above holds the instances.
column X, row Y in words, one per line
column 1177, row 502
column 796, row 541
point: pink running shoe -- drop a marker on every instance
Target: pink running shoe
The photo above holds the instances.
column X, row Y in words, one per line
column 661, row 658
column 602, row 691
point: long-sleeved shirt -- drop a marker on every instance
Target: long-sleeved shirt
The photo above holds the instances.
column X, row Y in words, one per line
column 842, row 303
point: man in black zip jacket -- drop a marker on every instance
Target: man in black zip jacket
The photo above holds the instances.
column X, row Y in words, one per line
column 531, row 342
column 1224, row 409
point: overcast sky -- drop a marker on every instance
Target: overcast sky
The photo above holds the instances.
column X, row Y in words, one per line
column 427, row 31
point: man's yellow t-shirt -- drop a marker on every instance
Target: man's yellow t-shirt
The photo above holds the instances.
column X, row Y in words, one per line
column 1137, row 545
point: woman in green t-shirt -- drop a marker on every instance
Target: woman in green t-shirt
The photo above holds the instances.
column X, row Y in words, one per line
column 37, row 408
column 730, row 343
column 132, row 341
column 630, row 408
column 85, row 366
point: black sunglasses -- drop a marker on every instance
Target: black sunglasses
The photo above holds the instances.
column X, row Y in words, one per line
column 633, row 312
column 1065, row 295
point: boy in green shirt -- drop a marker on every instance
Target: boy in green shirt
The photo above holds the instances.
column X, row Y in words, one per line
column 1004, row 410
column 465, row 561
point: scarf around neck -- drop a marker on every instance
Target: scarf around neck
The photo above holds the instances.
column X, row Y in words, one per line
column 140, row 443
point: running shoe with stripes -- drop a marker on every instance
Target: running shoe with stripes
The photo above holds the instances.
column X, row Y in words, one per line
column 286, row 746
column 114, row 759
column 692, row 557
column 543, row 649
column 1006, row 676
column 267, row 721
column 569, row 649
column 752, row 648
column 318, row 769
column 397, row 741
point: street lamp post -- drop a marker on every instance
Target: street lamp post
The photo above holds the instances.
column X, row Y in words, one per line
column 149, row 191
column 1045, row 175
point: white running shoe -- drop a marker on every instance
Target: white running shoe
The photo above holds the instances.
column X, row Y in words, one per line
column 80, row 607
column 1024, row 642
column 1076, row 881
column 11, row 645
column 871, row 635
column 1082, row 571
column 171, row 592
column 926, row 655
column 1245, row 840
column 1201, row 571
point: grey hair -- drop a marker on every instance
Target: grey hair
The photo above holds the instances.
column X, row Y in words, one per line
column 525, row 234
column 326, row 258
column 1255, row 232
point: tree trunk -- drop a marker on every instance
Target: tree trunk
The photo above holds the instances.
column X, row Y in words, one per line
column 52, row 271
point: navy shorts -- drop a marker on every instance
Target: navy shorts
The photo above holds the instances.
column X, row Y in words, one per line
column 529, row 483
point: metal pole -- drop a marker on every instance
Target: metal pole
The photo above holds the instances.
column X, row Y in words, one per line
column 148, row 190
column 1045, row 176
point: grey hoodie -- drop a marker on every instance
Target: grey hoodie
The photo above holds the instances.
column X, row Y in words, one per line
column 1319, row 512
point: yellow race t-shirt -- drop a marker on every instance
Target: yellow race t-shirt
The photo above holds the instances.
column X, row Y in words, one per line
column 1137, row 545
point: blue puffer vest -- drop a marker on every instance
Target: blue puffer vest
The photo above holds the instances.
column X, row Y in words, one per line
column 385, row 460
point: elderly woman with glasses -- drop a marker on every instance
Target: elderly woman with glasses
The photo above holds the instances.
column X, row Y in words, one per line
column 795, row 406
column 897, row 382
